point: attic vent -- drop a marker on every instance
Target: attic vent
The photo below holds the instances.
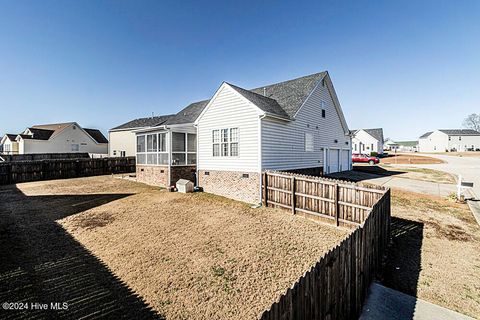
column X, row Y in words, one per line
column 323, row 82
column 74, row 127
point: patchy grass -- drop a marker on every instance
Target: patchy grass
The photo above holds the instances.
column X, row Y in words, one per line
column 436, row 251
column 409, row 159
column 190, row 256
column 473, row 154
column 408, row 173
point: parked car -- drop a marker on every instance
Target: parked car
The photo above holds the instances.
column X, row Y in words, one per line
column 363, row 158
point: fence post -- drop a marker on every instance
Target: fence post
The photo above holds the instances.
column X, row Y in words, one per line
column 265, row 189
column 337, row 207
column 293, row 194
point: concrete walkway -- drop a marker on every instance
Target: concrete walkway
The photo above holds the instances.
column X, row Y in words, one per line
column 386, row 303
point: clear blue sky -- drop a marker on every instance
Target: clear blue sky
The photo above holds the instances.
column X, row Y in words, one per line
column 406, row 66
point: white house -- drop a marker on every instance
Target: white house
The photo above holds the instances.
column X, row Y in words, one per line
column 122, row 138
column 8, row 144
column 296, row 125
column 443, row 140
column 367, row 141
column 61, row 138
column 168, row 152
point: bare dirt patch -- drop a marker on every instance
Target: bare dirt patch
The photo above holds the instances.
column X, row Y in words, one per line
column 409, row 159
column 194, row 256
column 436, row 251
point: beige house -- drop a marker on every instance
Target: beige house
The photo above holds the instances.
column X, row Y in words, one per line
column 122, row 138
column 61, row 138
column 8, row 144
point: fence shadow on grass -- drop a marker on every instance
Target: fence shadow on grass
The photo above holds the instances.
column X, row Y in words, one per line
column 403, row 264
column 41, row 262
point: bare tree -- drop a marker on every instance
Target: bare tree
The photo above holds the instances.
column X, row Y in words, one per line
column 472, row 122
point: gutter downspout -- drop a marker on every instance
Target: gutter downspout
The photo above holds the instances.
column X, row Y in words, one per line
column 260, row 155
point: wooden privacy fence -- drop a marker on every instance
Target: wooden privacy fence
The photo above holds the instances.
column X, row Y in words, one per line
column 336, row 286
column 24, row 171
column 45, row 156
column 335, row 201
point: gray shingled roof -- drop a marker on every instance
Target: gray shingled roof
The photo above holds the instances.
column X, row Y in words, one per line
column 96, row 135
column 377, row 133
column 426, row 134
column 266, row 104
column 407, row 143
column 291, row 94
column 144, row 122
column 188, row 114
column 40, row 134
column 282, row 99
column 460, row 132
column 11, row 137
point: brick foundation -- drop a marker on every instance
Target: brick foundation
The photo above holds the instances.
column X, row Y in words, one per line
column 153, row 175
column 231, row 184
column 183, row 172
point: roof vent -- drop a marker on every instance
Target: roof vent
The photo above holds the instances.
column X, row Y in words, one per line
column 264, row 91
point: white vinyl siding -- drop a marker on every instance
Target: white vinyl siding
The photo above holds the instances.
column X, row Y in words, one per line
column 367, row 143
column 229, row 110
column 283, row 143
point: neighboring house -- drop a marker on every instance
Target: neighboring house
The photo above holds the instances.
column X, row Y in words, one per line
column 389, row 145
column 8, row 144
column 296, row 125
column 443, row 140
column 122, row 138
column 61, row 138
column 367, row 141
column 407, row 146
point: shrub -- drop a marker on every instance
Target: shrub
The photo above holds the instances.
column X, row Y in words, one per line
column 373, row 154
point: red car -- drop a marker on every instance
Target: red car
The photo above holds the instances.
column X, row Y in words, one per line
column 363, row 158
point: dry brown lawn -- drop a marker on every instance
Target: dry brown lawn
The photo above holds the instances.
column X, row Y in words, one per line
column 474, row 154
column 409, row 159
column 404, row 172
column 190, row 256
column 436, row 251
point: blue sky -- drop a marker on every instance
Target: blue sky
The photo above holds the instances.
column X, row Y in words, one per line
column 406, row 66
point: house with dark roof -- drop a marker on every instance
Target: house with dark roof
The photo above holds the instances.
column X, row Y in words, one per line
column 295, row 125
column 61, row 138
column 227, row 141
column 122, row 137
column 367, row 141
column 445, row 140
column 8, row 144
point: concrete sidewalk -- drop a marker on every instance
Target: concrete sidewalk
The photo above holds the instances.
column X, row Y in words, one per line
column 386, row 303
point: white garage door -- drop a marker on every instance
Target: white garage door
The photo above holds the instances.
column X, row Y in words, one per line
column 333, row 160
column 346, row 158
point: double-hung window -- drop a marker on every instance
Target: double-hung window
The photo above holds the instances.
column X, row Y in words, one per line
column 225, row 142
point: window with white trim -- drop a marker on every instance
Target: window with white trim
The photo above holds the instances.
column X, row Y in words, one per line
column 308, row 141
column 152, row 149
column 225, row 142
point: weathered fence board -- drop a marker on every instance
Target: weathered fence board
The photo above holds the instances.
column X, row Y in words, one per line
column 337, row 285
column 25, row 171
column 318, row 198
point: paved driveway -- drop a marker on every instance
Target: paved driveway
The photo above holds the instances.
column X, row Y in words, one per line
column 468, row 167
